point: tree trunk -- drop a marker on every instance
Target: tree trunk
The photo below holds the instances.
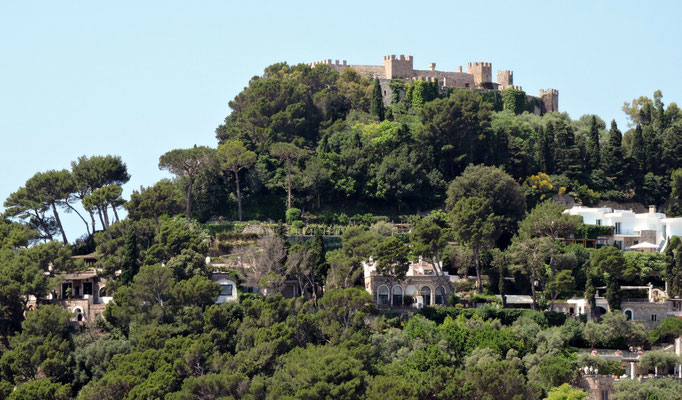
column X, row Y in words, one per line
column 189, row 198
column 59, row 222
column 288, row 185
column 532, row 289
column 87, row 227
column 92, row 219
column 318, row 200
column 239, row 195
column 113, row 207
column 477, row 261
column 105, row 212
column 101, row 219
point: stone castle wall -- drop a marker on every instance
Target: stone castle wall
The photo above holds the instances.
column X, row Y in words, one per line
column 478, row 76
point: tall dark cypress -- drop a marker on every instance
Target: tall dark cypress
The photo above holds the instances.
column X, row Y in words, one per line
column 638, row 152
column 612, row 157
column 593, row 149
column 377, row 105
column 130, row 264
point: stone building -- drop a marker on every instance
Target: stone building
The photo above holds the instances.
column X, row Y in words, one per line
column 422, row 286
column 478, row 76
column 82, row 293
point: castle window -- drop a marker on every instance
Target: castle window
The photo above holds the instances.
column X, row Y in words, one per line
column 87, row 288
column 604, row 395
column 653, row 317
column 628, row 315
column 466, row 85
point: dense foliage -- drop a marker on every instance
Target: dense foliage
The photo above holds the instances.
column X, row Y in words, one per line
column 325, row 155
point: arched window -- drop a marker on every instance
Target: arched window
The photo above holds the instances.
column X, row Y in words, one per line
column 383, row 295
column 397, row 296
column 102, row 291
column 426, row 295
column 628, row 315
column 440, row 295
column 79, row 313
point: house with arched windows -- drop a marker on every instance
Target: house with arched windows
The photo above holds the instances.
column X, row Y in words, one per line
column 423, row 285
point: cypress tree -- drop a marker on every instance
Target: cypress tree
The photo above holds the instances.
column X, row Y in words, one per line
column 612, row 157
column 672, row 269
column 545, row 149
column 638, row 152
column 130, row 264
column 377, row 105
column 567, row 153
column 672, row 147
column 593, row 150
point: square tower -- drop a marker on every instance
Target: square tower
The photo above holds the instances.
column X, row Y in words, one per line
column 550, row 99
column 482, row 72
column 505, row 79
column 398, row 67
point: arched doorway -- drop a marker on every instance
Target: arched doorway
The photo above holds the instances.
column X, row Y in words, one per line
column 397, row 296
column 440, row 295
column 383, row 295
column 426, row 295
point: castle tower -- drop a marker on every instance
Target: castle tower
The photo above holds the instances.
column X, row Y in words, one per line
column 398, row 67
column 505, row 79
column 550, row 99
column 482, row 72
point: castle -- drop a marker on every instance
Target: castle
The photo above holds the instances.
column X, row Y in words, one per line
column 479, row 76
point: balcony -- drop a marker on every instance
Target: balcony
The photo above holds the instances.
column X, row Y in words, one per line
column 626, row 232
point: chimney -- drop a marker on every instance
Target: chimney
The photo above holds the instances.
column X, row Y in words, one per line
column 652, row 209
column 459, row 69
column 432, row 66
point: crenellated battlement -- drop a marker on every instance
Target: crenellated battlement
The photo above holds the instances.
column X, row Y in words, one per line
column 328, row 61
column 482, row 72
column 550, row 99
column 553, row 92
column 398, row 67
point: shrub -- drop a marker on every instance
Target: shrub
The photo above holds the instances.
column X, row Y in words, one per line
column 293, row 214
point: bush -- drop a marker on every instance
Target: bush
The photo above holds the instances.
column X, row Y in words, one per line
column 293, row 214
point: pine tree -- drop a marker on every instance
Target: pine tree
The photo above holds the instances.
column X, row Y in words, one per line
column 672, row 147
column 377, row 105
column 593, row 150
column 130, row 264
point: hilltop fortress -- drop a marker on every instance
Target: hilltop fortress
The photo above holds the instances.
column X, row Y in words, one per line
column 479, row 76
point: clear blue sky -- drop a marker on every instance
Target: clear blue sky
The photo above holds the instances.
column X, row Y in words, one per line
column 140, row 78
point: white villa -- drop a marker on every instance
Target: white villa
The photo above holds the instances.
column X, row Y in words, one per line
column 630, row 228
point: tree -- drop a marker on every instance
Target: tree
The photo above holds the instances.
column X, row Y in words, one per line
column 429, row 238
column 262, row 265
column 565, row 392
column 528, row 255
column 612, row 157
column 131, row 263
column 638, row 152
column 91, row 173
column 187, row 162
column 593, row 148
column 475, row 225
column 234, row 157
column 659, row 360
column 673, row 271
column 609, row 261
column 315, row 178
column 392, row 262
column 504, row 193
column 288, row 153
column 319, row 372
column 164, row 198
column 376, row 107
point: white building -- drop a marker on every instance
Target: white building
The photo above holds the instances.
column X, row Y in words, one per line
column 630, row 228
